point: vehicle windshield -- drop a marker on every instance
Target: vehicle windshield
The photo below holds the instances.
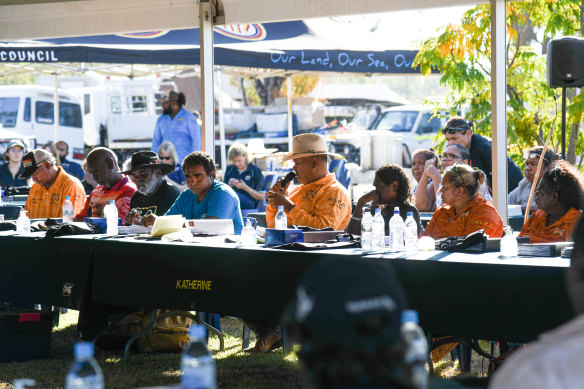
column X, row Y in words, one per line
column 8, row 111
column 69, row 114
column 397, row 121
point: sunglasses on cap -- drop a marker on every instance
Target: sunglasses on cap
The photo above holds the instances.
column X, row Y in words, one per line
column 454, row 130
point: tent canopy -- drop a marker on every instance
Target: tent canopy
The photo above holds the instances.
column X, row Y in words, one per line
column 318, row 45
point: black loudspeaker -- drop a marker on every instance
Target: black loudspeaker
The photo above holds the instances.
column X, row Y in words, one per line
column 565, row 62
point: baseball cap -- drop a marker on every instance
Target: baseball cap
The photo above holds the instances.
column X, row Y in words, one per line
column 32, row 160
column 352, row 304
column 15, row 142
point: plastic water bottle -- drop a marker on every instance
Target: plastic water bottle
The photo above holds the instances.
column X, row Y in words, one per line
column 366, row 230
column 396, row 231
column 67, row 210
column 248, row 235
column 23, row 223
column 111, row 215
column 411, row 234
column 378, row 230
column 416, row 350
column 85, row 373
column 197, row 364
column 281, row 219
column 508, row 244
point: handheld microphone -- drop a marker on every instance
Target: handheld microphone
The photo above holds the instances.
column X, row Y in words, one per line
column 289, row 177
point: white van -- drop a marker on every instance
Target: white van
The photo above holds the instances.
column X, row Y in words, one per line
column 414, row 123
column 29, row 110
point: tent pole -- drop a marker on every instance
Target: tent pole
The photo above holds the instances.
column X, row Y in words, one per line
column 207, row 96
column 221, row 122
column 499, row 107
column 56, row 107
column 289, row 104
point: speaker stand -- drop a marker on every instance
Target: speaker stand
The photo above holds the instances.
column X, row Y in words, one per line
column 564, row 123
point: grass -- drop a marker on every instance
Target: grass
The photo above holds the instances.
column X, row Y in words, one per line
column 235, row 369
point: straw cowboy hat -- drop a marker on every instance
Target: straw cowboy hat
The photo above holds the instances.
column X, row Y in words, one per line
column 308, row 145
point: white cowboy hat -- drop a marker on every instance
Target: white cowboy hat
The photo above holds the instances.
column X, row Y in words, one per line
column 308, row 145
column 255, row 147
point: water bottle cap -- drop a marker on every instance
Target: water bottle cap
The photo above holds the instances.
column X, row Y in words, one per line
column 280, row 207
column 112, row 202
column 410, row 213
column 396, row 211
column 377, row 210
column 67, row 198
column 83, row 350
column 409, row 316
column 197, row 332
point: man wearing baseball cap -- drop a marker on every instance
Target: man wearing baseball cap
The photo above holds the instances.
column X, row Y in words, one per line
column 178, row 126
column 321, row 201
column 153, row 195
column 51, row 185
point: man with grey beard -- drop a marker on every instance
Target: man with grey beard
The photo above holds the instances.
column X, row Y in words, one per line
column 154, row 195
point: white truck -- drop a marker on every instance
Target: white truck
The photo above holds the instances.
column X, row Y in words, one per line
column 121, row 115
column 29, row 110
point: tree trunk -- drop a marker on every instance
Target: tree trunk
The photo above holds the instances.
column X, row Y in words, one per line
column 571, row 153
column 242, row 86
column 267, row 88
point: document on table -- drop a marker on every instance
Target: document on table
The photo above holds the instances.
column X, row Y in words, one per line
column 167, row 224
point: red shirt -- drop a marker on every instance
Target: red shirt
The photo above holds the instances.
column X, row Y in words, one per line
column 121, row 193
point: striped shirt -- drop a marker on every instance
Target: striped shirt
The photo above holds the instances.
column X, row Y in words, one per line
column 121, row 193
column 45, row 203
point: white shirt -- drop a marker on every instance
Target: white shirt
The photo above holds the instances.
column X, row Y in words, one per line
column 520, row 195
column 554, row 361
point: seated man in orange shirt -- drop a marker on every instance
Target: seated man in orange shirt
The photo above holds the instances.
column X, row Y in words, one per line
column 465, row 210
column 321, row 201
column 560, row 201
column 51, row 185
column 102, row 163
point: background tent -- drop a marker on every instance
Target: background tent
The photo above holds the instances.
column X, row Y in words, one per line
column 323, row 45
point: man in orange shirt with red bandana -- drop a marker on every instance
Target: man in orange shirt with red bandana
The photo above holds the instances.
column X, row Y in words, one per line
column 51, row 185
column 321, row 201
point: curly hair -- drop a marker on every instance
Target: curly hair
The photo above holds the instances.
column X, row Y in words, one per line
column 392, row 173
column 548, row 157
column 459, row 123
column 200, row 158
column 460, row 175
column 567, row 182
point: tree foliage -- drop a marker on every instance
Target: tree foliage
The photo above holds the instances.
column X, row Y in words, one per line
column 462, row 52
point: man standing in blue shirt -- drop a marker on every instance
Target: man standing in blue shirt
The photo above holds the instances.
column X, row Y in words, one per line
column 205, row 198
column 178, row 126
column 70, row 167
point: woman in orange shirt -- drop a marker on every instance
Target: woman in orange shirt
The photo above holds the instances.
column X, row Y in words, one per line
column 465, row 210
column 560, row 201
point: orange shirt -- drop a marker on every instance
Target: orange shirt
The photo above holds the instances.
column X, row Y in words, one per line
column 322, row 203
column 559, row 231
column 44, row 203
column 478, row 214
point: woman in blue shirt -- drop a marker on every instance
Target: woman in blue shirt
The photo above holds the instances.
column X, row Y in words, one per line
column 167, row 154
column 10, row 171
column 244, row 177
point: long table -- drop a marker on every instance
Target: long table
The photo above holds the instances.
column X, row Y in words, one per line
column 469, row 295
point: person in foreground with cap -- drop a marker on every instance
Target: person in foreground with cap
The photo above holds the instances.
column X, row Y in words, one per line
column 179, row 126
column 350, row 336
column 459, row 130
column 153, row 195
column 10, row 172
column 321, row 201
column 554, row 360
column 70, row 167
column 520, row 195
column 102, row 163
column 206, row 197
column 51, row 185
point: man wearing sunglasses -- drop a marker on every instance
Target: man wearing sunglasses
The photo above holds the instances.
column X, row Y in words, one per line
column 459, row 131
column 520, row 195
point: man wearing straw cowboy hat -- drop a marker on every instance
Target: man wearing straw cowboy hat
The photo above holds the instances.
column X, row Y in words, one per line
column 321, row 201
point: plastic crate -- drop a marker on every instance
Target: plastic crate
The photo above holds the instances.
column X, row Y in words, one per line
column 25, row 334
